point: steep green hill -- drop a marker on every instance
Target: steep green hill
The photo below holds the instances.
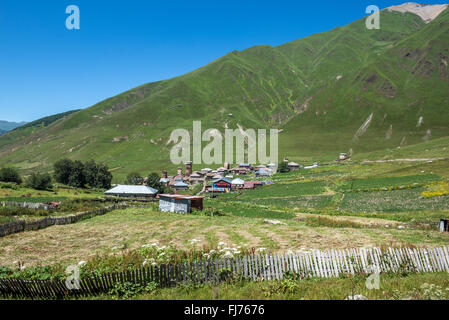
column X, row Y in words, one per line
column 319, row 90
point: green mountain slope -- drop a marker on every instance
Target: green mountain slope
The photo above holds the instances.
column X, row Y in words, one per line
column 319, row 90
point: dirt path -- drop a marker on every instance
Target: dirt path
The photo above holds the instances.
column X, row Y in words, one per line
column 404, row 160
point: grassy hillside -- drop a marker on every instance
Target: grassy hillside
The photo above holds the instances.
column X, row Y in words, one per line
column 319, row 90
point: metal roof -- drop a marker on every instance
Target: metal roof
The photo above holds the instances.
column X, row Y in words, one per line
column 181, row 184
column 238, row 181
column 180, row 196
column 126, row 189
column 223, row 179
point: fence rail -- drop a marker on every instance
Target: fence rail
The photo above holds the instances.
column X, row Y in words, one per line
column 257, row 267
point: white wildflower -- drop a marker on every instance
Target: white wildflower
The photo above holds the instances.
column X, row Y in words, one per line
column 228, row 254
column 81, row 263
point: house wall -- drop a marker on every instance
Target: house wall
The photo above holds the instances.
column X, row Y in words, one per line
column 222, row 184
column 174, row 205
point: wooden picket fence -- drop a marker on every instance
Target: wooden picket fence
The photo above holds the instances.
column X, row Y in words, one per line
column 256, row 267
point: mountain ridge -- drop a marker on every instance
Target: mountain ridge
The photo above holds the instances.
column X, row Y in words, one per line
column 319, row 90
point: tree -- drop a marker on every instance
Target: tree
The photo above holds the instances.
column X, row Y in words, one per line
column 90, row 173
column 77, row 178
column 154, row 181
column 77, row 174
column 10, row 175
column 103, row 177
column 134, row 179
column 63, row 170
column 283, row 167
column 39, row 181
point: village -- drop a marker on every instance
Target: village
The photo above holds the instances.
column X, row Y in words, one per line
column 223, row 180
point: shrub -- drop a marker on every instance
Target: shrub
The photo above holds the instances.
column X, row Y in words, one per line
column 39, row 181
column 10, row 175
column 283, row 167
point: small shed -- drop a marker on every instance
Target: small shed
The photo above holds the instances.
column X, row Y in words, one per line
column 132, row 191
column 179, row 203
column 263, row 172
column 293, row 166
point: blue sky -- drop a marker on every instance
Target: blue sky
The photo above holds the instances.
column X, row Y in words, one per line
column 47, row 69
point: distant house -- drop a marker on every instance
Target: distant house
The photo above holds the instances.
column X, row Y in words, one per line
column 237, row 184
column 222, row 183
column 222, row 171
column 180, row 186
column 343, row 156
column 196, row 178
column 240, row 171
column 252, row 184
column 206, row 170
column 293, row 166
column 263, row 172
column 179, row 203
column 246, row 166
column 128, row 191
